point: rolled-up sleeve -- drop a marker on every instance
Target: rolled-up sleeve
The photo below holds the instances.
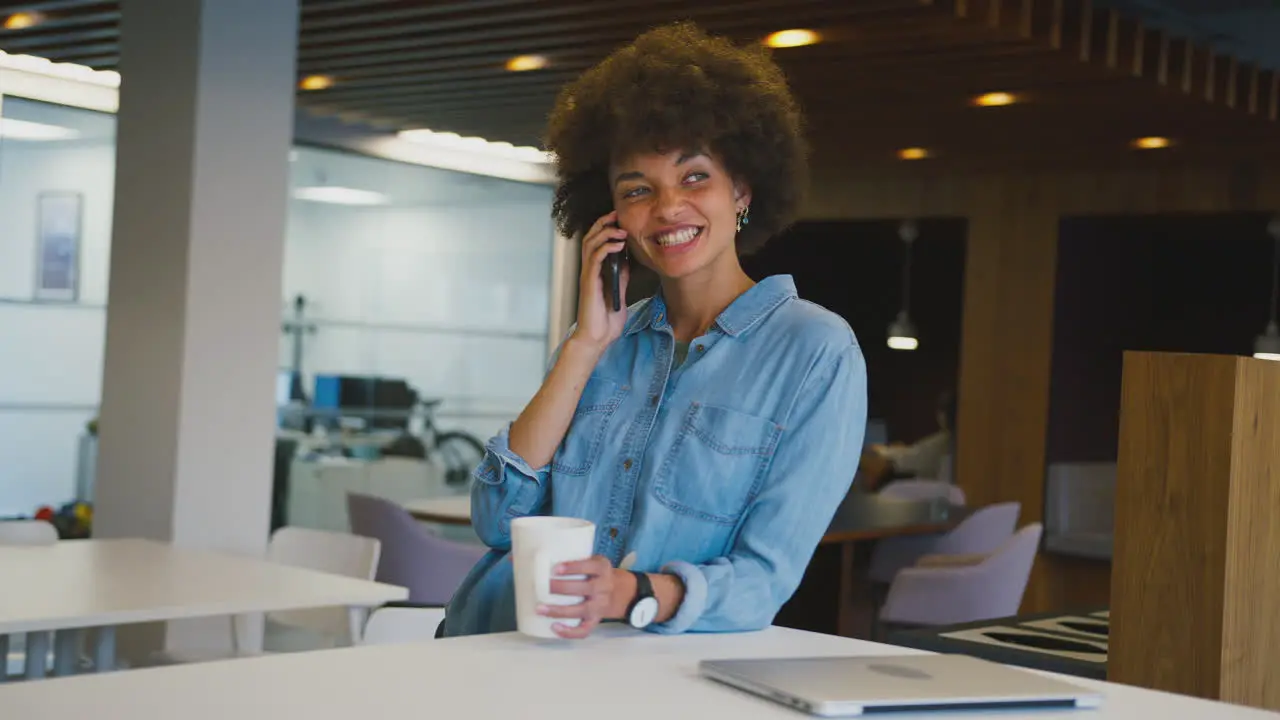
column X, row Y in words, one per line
column 811, row 473
column 505, row 487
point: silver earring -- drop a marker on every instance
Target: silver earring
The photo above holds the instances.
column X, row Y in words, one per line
column 744, row 217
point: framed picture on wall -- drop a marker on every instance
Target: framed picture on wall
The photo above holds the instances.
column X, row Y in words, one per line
column 58, row 232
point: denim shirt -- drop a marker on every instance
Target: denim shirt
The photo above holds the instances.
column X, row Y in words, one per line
column 724, row 470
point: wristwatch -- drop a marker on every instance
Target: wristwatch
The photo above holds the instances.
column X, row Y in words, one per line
column 644, row 608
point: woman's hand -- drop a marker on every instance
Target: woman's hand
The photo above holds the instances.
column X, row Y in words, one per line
column 605, row 592
column 598, row 324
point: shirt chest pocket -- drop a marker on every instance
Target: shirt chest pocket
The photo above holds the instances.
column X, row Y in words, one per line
column 716, row 464
column 582, row 443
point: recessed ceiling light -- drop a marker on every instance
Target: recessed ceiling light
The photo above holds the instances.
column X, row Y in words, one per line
column 1152, row 142
column 913, row 153
column 995, row 99
column 795, row 37
column 521, row 63
column 316, row 82
column 23, row 20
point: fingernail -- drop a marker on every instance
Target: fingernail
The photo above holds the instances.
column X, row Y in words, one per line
column 542, row 610
column 559, row 570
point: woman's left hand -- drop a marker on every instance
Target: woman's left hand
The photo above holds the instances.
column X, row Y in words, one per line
column 599, row 589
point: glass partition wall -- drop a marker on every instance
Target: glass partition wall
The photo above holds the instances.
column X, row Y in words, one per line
column 434, row 280
column 57, row 168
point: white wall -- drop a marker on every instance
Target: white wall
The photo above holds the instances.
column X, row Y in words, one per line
column 448, row 287
column 453, row 299
column 50, row 354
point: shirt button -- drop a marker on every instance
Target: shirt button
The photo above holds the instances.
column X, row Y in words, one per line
column 701, row 347
column 613, row 532
column 626, row 464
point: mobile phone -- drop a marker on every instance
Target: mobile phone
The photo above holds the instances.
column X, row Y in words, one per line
column 613, row 275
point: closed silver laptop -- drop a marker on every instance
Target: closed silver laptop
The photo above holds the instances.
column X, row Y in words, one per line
column 852, row 686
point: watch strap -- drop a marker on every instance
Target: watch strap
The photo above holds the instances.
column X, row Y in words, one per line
column 644, row 589
column 644, row 586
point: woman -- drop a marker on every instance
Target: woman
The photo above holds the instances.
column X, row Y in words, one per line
column 711, row 430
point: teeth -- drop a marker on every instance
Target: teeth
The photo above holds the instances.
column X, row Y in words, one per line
column 679, row 237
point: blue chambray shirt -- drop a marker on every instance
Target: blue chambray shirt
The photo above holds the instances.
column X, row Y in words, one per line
column 725, row 469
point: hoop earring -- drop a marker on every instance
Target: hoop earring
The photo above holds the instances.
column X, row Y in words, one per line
column 744, row 217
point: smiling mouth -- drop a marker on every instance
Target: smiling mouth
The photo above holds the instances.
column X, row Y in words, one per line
column 683, row 236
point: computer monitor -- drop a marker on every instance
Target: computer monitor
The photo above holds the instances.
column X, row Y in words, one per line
column 383, row 403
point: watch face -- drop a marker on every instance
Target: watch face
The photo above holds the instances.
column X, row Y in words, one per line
column 644, row 612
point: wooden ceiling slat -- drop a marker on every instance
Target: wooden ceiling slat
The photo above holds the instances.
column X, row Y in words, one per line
column 54, row 22
column 35, row 43
column 1056, row 22
column 365, row 14
column 602, row 42
column 512, row 19
column 1086, row 31
column 585, row 28
column 1150, row 60
column 575, row 53
column 54, row 6
column 565, row 67
column 1162, row 64
column 315, row 7
column 506, row 82
column 1252, row 99
column 1273, row 106
column 76, row 52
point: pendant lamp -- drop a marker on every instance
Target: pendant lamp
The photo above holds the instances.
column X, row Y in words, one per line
column 902, row 332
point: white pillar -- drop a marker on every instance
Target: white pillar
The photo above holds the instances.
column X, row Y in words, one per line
column 566, row 263
column 193, row 320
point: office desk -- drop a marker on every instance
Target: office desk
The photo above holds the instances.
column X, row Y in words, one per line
column 104, row 583
column 618, row 673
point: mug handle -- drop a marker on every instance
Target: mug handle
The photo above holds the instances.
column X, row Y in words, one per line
column 542, row 577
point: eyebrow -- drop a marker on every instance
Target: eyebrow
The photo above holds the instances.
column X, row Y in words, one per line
column 637, row 175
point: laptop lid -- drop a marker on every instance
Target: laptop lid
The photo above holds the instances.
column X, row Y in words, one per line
column 850, row 686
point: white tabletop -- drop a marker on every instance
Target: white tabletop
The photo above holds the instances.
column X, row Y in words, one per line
column 618, row 674
column 90, row 583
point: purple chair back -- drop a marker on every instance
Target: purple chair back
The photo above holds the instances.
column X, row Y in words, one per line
column 430, row 567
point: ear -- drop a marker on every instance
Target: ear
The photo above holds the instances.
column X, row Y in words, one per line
column 741, row 195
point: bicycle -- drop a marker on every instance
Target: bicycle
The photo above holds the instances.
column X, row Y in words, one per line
column 459, row 450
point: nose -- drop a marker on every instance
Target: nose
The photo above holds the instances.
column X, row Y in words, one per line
column 670, row 204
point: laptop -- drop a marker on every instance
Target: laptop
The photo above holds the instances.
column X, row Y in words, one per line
column 885, row 685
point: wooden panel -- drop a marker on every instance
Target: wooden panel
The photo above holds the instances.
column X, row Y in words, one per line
column 1006, row 351
column 1172, row 486
column 1251, row 618
column 1195, row 598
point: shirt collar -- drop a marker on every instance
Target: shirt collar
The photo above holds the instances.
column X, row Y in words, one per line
column 743, row 314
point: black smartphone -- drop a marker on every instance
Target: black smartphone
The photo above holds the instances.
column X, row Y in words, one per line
column 613, row 275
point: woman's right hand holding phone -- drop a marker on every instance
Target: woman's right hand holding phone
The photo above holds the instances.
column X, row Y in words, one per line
column 598, row 323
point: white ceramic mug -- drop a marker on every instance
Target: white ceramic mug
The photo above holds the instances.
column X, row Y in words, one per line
column 538, row 544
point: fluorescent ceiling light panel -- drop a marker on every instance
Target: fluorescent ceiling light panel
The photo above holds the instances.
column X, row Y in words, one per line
column 26, row 130
column 454, row 141
column 338, row 195
column 66, row 71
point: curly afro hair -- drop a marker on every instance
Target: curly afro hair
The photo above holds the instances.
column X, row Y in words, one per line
column 676, row 87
